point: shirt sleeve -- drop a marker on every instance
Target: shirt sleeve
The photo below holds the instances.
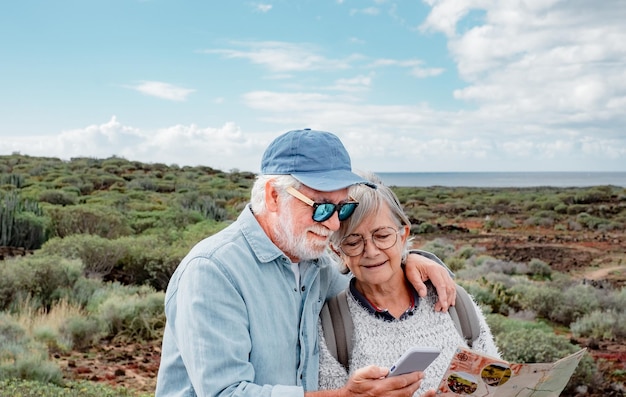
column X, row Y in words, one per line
column 211, row 331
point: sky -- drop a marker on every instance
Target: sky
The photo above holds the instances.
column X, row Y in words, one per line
column 408, row 85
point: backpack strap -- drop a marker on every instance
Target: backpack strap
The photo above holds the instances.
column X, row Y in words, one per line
column 338, row 327
column 464, row 316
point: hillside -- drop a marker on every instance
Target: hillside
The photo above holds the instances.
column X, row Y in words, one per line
column 132, row 209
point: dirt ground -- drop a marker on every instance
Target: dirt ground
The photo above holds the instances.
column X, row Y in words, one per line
column 598, row 258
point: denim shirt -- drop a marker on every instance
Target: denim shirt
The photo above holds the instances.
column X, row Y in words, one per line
column 237, row 324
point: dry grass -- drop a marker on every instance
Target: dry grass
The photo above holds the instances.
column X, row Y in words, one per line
column 33, row 318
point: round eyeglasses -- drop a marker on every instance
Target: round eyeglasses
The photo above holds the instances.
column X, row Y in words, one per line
column 323, row 211
column 383, row 238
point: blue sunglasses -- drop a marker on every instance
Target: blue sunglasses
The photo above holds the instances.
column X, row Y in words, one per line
column 323, row 211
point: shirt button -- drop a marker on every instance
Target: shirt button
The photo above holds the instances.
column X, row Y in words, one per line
column 303, row 288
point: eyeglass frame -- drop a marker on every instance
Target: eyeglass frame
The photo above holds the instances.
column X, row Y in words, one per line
column 371, row 237
column 336, row 207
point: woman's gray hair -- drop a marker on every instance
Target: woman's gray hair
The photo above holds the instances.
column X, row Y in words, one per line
column 371, row 200
column 280, row 182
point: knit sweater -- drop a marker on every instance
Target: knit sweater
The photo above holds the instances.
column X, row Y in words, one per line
column 379, row 342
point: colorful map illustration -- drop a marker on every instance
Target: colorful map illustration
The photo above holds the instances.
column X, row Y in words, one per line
column 477, row 375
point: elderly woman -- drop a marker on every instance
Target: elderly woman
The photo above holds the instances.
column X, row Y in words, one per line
column 388, row 315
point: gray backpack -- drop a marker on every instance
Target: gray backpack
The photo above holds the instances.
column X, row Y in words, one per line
column 338, row 327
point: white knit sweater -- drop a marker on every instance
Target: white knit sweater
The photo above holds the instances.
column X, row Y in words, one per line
column 380, row 342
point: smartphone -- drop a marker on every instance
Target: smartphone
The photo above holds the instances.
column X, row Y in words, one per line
column 414, row 359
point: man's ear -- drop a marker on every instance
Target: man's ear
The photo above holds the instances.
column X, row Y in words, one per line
column 271, row 196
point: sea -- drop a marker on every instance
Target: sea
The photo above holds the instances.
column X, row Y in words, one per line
column 503, row 179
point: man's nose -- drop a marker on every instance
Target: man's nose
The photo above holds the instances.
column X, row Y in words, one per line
column 333, row 222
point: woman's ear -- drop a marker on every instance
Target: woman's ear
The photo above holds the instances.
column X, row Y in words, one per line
column 406, row 233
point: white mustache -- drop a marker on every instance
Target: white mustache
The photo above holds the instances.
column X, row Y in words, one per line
column 320, row 230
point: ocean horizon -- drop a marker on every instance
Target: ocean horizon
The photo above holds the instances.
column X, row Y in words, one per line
column 503, row 179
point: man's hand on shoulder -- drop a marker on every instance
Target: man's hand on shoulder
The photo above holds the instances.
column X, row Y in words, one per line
column 419, row 268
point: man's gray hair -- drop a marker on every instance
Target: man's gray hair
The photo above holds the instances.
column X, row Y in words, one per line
column 280, row 182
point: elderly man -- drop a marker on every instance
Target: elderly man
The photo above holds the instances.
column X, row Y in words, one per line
column 243, row 305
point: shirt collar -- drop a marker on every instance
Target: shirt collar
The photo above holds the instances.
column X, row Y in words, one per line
column 383, row 314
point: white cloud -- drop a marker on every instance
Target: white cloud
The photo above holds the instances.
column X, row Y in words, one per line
column 555, row 66
column 282, row 57
column 355, row 84
column 263, row 7
column 415, row 65
column 162, row 90
column 373, row 11
column 225, row 147
column 419, row 138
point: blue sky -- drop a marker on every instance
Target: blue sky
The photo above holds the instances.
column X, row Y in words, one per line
column 432, row 85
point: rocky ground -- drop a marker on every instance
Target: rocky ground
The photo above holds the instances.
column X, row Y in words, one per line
column 598, row 258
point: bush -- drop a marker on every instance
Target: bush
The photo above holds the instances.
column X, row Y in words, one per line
column 83, row 332
column 538, row 346
column 58, row 197
column 558, row 302
column 22, row 223
column 29, row 231
column 100, row 220
column 440, row 247
column 147, row 260
column 98, row 255
column 601, row 324
column 23, row 358
column 134, row 318
column 539, row 270
column 22, row 279
column 592, row 222
column 488, row 294
column 32, row 388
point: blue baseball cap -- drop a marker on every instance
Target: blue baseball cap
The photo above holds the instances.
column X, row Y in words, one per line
column 317, row 159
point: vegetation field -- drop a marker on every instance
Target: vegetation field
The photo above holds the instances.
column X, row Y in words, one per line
column 87, row 247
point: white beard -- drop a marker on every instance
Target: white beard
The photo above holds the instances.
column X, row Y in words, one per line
column 298, row 246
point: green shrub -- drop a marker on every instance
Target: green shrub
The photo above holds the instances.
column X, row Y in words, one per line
column 83, row 332
column 576, row 301
column 29, row 230
column 492, row 295
column 561, row 302
column 98, row 254
column 538, row 346
column 22, row 223
column 147, row 260
column 40, row 279
column 205, row 205
column 500, row 324
column 539, row 270
column 440, row 247
column 58, row 197
column 133, row 318
column 601, row 324
column 592, row 222
column 100, row 220
column 22, row 357
column 455, row 263
column 30, row 388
